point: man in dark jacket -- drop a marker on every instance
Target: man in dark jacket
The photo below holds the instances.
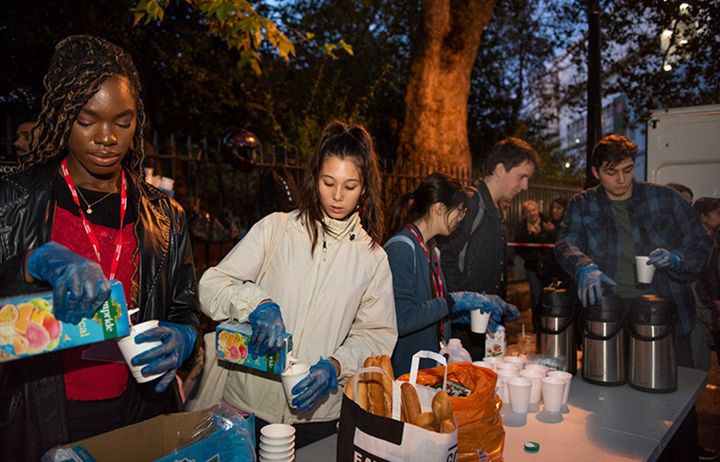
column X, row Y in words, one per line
column 474, row 256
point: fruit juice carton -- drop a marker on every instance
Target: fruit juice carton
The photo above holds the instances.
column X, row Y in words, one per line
column 232, row 342
column 495, row 343
column 28, row 326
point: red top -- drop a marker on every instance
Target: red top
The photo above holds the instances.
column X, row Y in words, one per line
column 93, row 380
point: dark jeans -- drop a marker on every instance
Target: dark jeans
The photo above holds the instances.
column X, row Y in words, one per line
column 683, row 446
column 305, row 433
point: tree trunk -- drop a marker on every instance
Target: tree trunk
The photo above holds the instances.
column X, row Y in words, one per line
column 434, row 130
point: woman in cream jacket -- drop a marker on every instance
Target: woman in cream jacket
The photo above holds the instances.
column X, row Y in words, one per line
column 327, row 281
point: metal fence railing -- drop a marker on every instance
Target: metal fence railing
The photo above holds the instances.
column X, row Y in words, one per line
column 223, row 202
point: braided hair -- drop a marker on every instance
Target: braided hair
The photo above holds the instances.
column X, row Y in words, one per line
column 79, row 66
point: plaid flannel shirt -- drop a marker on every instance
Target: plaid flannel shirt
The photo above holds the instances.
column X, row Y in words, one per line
column 659, row 218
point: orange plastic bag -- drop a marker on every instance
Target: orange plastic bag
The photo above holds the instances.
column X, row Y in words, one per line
column 480, row 428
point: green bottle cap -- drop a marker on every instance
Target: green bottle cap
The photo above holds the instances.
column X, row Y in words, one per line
column 531, row 446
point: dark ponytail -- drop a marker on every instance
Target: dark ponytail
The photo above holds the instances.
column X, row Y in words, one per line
column 434, row 188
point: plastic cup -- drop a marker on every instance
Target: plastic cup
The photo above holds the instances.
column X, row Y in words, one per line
column 553, row 389
column 644, row 271
column 291, row 377
column 479, row 321
column 130, row 349
column 567, row 378
column 520, row 391
column 535, row 376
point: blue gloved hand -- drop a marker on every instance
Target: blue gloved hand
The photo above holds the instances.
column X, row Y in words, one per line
column 177, row 340
column 663, row 258
column 268, row 330
column 79, row 285
column 320, row 382
column 470, row 301
column 590, row 280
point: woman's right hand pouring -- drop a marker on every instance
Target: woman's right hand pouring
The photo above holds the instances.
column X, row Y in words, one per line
column 79, row 285
column 268, row 330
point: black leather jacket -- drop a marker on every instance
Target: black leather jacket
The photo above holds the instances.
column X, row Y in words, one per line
column 32, row 394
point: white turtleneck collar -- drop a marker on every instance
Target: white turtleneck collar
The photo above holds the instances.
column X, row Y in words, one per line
column 342, row 229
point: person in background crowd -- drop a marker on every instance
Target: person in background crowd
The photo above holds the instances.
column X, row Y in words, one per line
column 608, row 225
column 684, row 191
column 530, row 230
column 549, row 268
column 78, row 213
column 709, row 285
column 23, row 138
column 475, row 255
column 327, row 282
column 424, row 306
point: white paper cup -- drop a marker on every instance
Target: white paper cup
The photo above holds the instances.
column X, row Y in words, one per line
column 276, row 456
column 509, row 366
column 291, row 377
column 268, row 441
column 501, row 385
column 482, row 364
column 494, row 361
column 479, row 321
column 277, row 431
column 644, row 271
column 567, row 378
column 535, row 376
column 285, row 449
column 538, row 367
column 514, row 360
column 520, row 390
column 552, row 391
column 130, row 349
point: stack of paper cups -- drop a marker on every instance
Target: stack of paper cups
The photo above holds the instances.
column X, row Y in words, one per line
column 277, row 443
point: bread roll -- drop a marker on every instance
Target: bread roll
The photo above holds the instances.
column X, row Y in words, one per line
column 410, row 405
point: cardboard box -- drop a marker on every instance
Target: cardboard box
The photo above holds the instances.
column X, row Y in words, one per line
column 231, row 345
column 141, row 442
column 29, row 328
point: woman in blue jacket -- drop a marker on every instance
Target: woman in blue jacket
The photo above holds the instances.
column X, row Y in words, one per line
column 424, row 308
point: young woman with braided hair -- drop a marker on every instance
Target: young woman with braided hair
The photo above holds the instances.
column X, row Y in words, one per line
column 76, row 214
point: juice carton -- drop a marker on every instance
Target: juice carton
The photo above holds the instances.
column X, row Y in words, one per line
column 232, row 340
column 28, row 326
column 495, row 343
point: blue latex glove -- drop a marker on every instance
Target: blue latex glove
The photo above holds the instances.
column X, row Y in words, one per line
column 268, row 330
column 320, row 382
column 79, row 285
column 493, row 304
column 177, row 340
column 590, row 280
column 663, row 258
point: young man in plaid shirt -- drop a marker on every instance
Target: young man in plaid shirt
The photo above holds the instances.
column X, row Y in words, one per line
column 608, row 225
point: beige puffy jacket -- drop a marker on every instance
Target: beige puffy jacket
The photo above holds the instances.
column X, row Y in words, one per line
column 338, row 303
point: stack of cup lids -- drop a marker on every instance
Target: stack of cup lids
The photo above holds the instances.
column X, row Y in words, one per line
column 277, row 443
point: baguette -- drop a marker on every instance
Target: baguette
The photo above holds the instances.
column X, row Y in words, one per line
column 387, row 383
column 410, row 406
column 446, row 426
column 442, row 408
column 375, row 390
column 349, row 388
column 362, row 397
column 425, row 420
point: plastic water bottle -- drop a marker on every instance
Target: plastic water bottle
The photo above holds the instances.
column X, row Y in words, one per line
column 455, row 352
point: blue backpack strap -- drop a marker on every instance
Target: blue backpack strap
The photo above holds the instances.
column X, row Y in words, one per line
column 406, row 240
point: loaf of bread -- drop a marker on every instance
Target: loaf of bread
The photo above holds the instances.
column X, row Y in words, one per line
column 387, row 382
column 442, row 408
column 375, row 389
column 410, row 405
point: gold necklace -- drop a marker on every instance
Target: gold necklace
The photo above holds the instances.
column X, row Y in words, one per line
column 89, row 205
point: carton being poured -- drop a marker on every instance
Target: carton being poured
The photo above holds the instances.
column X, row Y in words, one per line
column 28, row 326
column 232, row 342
